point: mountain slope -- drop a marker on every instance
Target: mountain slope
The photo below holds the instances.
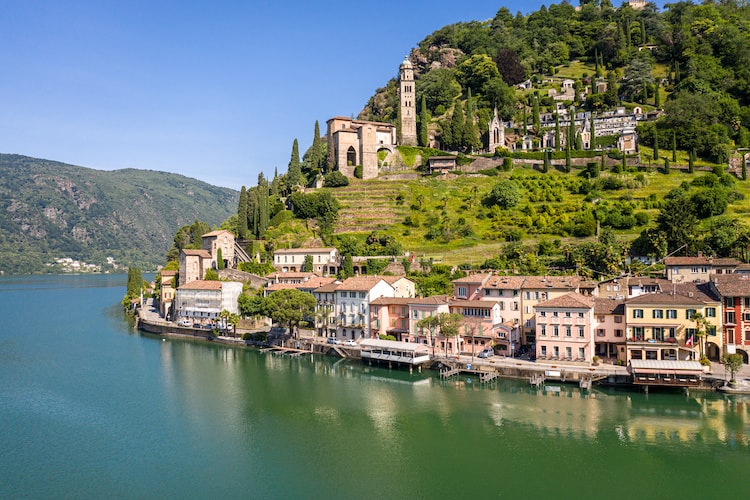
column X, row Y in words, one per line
column 50, row 209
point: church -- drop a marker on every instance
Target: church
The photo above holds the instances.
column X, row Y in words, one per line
column 357, row 142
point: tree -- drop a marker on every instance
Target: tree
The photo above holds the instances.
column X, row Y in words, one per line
column 438, row 88
column 335, row 179
column 242, row 214
column 307, row 267
column 656, row 143
column 557, row 132
column 510, row 67
column 445, row 324
column 458, row 122
column 289, row 306
column 733, row 363
column 701, row 325
column 294, row 170
column 471, row 133
column 219, row 260
column 505, row 194
column 347, row 267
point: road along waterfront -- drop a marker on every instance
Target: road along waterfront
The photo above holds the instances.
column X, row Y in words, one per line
column 93, row 408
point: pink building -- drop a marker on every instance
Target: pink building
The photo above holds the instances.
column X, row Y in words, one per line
column 609, row 329
column 564, row 327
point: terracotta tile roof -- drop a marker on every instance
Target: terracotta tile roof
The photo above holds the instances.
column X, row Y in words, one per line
column 216, row 233
column 201, row 285
column 304, row 251
column 663, row 299
column 732, row 285
column 387, row 301
column 435, row 300
column 290, row 275
column 701, row 291
column 505, row 282
column 700, row 261
column 569, row 300
column 329, row 288
column 392, row 279
column 360, row 283
column 473, row 278
column 191, row 252
column 168, row 273
column 316, row 282
column 560, row 282
column 603, row 307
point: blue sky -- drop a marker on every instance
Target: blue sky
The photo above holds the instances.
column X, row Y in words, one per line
column 217, row 90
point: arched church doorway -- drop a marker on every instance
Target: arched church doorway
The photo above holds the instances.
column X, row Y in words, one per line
column 351, row 156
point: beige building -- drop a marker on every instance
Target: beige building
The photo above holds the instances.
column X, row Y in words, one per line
column 407, row 100
column 292, row 260
column 697, row 269
column 357, row 142
column 193, row 265
column 220, row 240
column 167, row 288
column 204, row 300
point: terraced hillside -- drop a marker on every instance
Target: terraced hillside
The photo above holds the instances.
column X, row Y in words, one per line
column 369, row 206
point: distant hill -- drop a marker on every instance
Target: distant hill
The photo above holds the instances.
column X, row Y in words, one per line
column 50, row 209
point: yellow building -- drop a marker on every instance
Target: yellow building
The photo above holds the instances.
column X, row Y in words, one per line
column 660, row 326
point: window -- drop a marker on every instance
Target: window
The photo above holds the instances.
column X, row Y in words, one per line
column 461, row 291
column 543, row 330
column 555, row 331
column 567, row 331
column 637, row 313
column 487, row 291
column 689, row 313
column 580, row 331
column 618, row 333
column 658, row 313
column 638, row 332
column 567, row 314
column 636, row 354
column 730, row 301
column 650, row 354
column 556, row 351
column 568, row 352
column 543, row 314
column 710, row 312
column 618, row 319
column 694, row 270
column 555, row 314
column 362, row 295
column 671, row 313
column 659, row 334
column 582, row 352
column 711, row 330
column 544, row 350
column 580, row 315
column 730, row 317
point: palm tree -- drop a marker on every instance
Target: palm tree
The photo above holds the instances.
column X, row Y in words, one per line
column 701, row 325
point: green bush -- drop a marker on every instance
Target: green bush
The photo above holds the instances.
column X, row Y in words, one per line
column 335, row 179
column 358, row 171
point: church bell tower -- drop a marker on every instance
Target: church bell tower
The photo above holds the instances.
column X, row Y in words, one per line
column 407, row 95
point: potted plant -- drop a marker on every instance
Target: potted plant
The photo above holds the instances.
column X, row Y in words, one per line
column 595, row 360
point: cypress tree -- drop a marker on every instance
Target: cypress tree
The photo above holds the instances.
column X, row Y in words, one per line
column 525, row 118
column 674, row 146
column 657, row 97
column 314, row 159
column 263, row 210
column 242, row 214
column 470, row 127
column 219, row 260
column 457, row 126
column 666, row 166
column 656, row 143
column 545, row 163
column 645, row 93
column 535, row 111
column 275, row 188
column 252, row 211
column 294, row 171
column 624, row 162
column 423, row 123
column 744, row 169
column 567, row 151
column 592, row 144
column 557, row 132
column 597, row 70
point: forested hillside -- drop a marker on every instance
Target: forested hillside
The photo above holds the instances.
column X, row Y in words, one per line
column 50, row 210
column 689, row 60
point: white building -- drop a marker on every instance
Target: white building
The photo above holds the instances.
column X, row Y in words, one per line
column 200, row 299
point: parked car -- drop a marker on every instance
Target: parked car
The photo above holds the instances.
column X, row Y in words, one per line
column 486, row 353
column 350, row 343
column 184, row 322
column 333, row 340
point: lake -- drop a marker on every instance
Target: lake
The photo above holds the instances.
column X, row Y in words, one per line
column 92, row 408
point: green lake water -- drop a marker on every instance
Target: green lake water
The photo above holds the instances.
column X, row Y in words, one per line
column 91, row 408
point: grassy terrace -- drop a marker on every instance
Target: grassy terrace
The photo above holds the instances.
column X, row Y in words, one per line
column 446, row 219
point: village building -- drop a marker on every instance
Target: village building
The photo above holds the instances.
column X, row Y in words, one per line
column 203, row 301
column 660, row 326
column 699, row 269
column 564, row 326
column 352, row 304
column 325, row 309
column 167, row 289
column 496, row 137
column 193, row 265
column 353, row 143
column 734, row 291
column 609, row 329
column 220, row 244
column 325, row 261
column 441, row 164
column 482, row 326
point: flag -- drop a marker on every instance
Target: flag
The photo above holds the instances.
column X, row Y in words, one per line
column 689, row 341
